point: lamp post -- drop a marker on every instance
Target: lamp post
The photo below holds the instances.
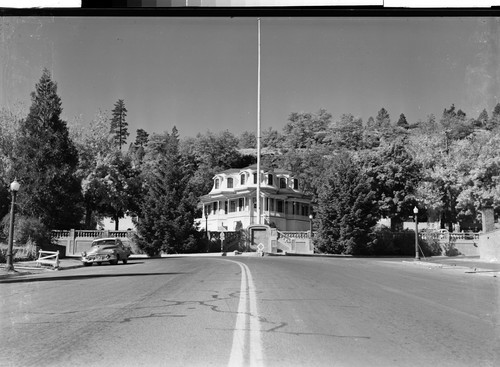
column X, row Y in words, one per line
column 14, row 188
column 417, row 255
column 311, row 225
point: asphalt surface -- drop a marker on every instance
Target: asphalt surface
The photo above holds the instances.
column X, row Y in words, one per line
column 278, row 311
column 469, row 265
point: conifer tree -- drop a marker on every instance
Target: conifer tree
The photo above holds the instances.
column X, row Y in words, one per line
column 168, row 208
column 346, row 209
column 45, row 162
column 119, row 125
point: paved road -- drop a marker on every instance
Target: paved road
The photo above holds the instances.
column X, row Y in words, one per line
column 271, row 311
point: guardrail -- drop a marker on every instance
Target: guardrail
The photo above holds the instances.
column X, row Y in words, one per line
column 49, row 258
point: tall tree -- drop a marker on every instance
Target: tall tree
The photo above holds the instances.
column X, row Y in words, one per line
column 346, row 209
column 394, row 177
column 119, row 125
column 45, row 161
column 112, row 188
column 168, row 208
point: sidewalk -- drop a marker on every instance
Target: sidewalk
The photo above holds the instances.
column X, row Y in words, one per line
column 469, row 264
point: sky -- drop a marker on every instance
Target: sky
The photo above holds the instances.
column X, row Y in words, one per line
column 200, row 74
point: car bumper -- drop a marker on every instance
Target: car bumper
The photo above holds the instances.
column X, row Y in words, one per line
column 98, row 258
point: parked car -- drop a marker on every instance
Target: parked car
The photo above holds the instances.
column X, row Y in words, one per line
column 469, row 235
column 109, row 250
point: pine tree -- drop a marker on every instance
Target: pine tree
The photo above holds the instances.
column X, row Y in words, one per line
column 46, row 160
column 119, row 126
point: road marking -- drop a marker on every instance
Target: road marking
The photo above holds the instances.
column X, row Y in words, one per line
column 247, row 343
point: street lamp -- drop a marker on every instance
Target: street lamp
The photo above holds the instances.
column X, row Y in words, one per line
column 311, row 225
column 14, row 188
column 417, row 255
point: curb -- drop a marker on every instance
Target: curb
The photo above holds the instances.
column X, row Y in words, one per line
column 466, row 269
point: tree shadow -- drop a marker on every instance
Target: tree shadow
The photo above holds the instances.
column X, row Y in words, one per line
column 29, row 279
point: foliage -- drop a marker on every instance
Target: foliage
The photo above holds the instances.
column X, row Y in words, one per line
column 168, row 209
column 119, row 125
column 394, row 178
column 346, row 133
column 346, row 207
column 113, row 187
column 45, row 162
column 305, row 130
column 141, row 138
column 27, row 229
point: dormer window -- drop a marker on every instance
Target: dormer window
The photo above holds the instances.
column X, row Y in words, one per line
column 270, row 179
column 242, row 179
column 255, row 178
column 216, row 183
column 282, row 183
column 295, row 184
column 229, row 183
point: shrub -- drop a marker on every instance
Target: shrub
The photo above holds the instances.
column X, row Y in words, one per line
column 27, row 229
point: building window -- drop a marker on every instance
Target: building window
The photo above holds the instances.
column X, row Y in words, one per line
column 255, row 178
column 295, row 184
column 270, row 179
column 232, row 206
column 216, row 183
column 271, row 205
column 241, row 204
column 282, row 183
column 279, row 204
column 225, row 207
column 215, row 207
column 229, row 183
column 242, row 179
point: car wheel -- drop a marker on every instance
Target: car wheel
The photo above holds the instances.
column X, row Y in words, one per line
column 114, row 262
column 124, row 261
column 87, row 264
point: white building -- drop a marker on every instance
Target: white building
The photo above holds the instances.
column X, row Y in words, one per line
column 232, row 204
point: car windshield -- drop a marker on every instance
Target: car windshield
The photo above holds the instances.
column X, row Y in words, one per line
column 104, row 243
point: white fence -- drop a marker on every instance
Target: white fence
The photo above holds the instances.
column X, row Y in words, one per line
column 77, row 241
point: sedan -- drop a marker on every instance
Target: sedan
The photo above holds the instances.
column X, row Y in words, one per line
column 109, row 250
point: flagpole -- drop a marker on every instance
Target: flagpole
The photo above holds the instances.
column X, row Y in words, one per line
column 258, row 122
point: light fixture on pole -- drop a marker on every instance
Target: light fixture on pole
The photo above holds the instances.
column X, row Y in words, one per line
column 14, row 188
column 417, row 255
column 311, row 225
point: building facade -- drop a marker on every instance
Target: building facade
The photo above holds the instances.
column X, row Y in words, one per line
column 232, row 204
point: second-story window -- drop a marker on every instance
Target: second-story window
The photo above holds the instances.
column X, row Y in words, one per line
column 255, row 178
column 270, row 179
column 216, row 183
column 242, row 179
column 282, row 183
column 229, row 183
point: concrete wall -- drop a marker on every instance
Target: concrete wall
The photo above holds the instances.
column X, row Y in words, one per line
column 489, row 246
